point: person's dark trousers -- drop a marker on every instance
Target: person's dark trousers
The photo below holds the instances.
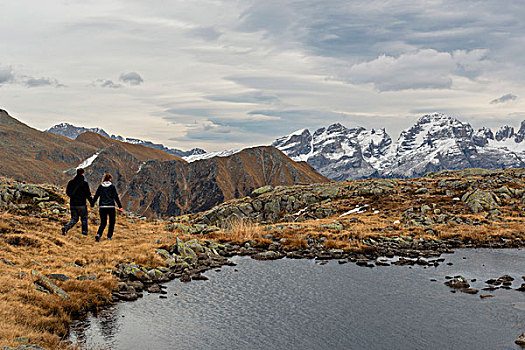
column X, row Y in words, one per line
column 76, row 213
column 104, row 213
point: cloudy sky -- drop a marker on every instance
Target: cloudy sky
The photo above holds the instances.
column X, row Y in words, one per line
column 227, row 74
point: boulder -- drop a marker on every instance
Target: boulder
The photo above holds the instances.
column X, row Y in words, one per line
column 480, row 200
column 132, row 271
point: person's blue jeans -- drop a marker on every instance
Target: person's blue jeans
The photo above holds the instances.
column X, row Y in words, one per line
column 78, row 212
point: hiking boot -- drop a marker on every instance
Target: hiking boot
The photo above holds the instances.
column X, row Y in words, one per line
column 64, row 231
column 110, row 239
column 97, row 238
column 85, row 233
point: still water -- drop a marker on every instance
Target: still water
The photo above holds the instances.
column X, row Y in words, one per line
column 298, row 304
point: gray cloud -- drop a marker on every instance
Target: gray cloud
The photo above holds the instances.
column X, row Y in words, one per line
column 423, row 69
column 185, row 112
column 205, row 33
column 6, row 75
column 105, row 83
column 504, row 98
column 249, row 97
column 39, row 82
column 131, row 78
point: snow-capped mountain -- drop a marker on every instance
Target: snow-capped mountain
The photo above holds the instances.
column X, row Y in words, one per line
column 435, row 142
column 338, row 152
column 72, row 132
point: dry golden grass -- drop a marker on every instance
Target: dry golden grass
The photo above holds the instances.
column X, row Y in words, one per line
column 240, row 231
column 34, row 243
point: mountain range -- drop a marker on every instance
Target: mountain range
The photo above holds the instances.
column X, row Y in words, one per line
column 435, row 142
column 150, row 181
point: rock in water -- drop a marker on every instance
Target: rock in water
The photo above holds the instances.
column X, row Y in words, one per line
column 459, row 282
column 521, row 340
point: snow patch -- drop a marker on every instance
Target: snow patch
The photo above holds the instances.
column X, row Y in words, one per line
column 88, row 161
column 356, row 210
column 209, row 155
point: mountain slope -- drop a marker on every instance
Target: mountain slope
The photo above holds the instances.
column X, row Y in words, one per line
column 27, row 154
column 174, row 187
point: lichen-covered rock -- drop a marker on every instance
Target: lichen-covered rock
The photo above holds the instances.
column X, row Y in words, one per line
column 336, row 226
column 132, row 271
column 480, row 200
column 184, row 251
column 50, row 286
column 262, row 190
column 374, row 188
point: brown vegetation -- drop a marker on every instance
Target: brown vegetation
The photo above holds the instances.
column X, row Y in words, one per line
column 33, row 243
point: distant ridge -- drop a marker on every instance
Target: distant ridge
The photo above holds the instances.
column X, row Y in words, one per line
column 72, row 132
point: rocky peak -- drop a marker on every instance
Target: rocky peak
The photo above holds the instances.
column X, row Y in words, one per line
column 482, row 136
column 296, row 144
column 72, row 132
column 505, row 132
column 520, row 135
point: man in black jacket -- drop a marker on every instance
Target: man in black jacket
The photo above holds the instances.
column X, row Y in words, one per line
column 78, row 191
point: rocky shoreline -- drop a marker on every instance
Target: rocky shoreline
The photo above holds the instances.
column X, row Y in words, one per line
column 187, row 260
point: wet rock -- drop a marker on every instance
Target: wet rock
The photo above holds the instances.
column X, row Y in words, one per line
column 521, row 340
column 521, row 288
column 154, row 288
column 485, row 296
column 458, row 282
column 469, row 290
column 199, row 277
column 268, row 255
column 185, row 278
column 137, row 285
